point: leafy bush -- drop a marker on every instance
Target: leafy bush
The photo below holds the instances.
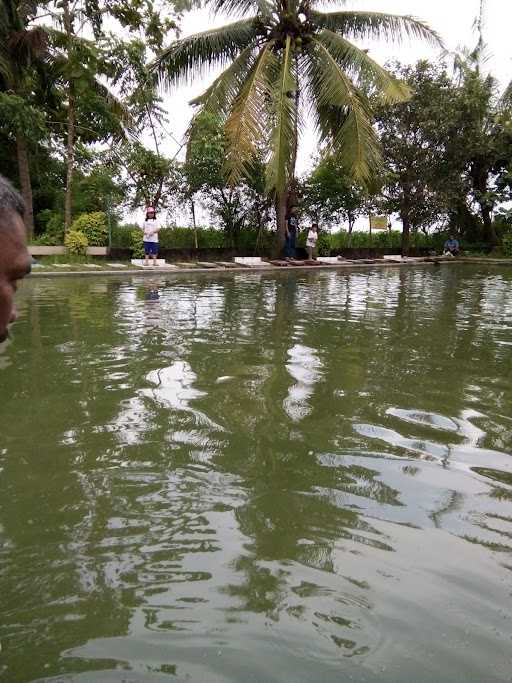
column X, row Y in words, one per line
column 507, row 244
column 122, row 235
column 76, row 243
column 53, row 223
column 136, row 243
column 94, row 226
column 323, row 246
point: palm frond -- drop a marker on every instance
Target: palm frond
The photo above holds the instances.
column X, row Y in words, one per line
column 506, row 98
column 219, row 97
column 241, row 7
column 6, row 72
column 361, row 67
column 185, row 58
column 343, row 114
column 379, row 25
column 282, row 134
column 247, row 122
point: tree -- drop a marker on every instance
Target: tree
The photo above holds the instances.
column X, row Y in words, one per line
column 483, row 125
column 233, row 205
column 331, row 195
column 420, row 177
column 290, row 55
column 22, row 53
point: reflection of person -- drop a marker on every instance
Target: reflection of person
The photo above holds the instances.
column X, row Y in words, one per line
column 451, row 246
column 151, row 293
column 15, row 260
column 150, row 228
column 292, row 228
column 312, row 240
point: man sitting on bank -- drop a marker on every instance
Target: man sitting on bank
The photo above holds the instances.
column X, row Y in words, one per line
column 451, row 246
column 15, row 260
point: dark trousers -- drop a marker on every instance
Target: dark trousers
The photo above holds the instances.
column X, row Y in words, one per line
column 289, row 245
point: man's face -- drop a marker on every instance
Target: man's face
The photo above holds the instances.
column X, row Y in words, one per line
column 15, row 263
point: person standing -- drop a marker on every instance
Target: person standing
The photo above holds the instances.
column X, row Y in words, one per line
column 150, row 228
column 15, row 260
column 311, row 241
column 292, row 229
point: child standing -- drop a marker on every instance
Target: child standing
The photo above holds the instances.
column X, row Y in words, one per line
column 311, row 241
column 150, row 237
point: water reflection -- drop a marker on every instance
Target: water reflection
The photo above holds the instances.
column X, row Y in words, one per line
column 293, row 477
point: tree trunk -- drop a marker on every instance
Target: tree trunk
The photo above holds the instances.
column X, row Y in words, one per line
column 351, row 221
column 489, row 231
column 70, row 147
column 193, row 210
column 280, row 207
column 70, row 162
column 406, row 231
column 25, row 182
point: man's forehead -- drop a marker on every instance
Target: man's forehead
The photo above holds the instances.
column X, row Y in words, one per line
column 12, row 228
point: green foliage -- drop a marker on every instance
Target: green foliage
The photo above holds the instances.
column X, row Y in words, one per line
column 137, row 243
column 17, row 114
column 274, row 55
column 330, row 194
column 94, row 226
column 76, row 243
column 507, row 244
column 53, row 228
column 323, row 245
column 251, row 240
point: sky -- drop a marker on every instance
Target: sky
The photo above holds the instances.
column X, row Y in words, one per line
column 452, row 19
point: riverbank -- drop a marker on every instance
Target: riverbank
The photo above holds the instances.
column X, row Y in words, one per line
column 89, row 269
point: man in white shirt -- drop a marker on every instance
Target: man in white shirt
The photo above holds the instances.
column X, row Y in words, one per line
column 150, row 237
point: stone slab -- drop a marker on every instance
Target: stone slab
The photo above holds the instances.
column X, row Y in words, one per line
column 160, row 262
column 229, row 264
column 208, row 264
column 328, row 259
column 249, row 260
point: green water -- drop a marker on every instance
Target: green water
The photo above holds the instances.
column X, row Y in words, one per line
column 251, row 477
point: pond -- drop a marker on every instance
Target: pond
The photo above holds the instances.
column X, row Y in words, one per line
column 258, row 477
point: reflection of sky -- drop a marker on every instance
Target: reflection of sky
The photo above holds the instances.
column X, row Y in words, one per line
column 304, row 366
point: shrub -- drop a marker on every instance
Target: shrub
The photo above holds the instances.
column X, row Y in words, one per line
column 122, row 235
column 507, row 244
column 76, row 243
column 136, row 243
column 94, row 226
column 53, row 233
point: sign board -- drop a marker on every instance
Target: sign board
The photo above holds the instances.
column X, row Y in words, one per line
column 379, row 222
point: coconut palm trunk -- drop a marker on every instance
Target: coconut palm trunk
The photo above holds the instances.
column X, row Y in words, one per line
column 25, row 182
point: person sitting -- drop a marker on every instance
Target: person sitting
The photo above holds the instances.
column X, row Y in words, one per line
column 451, row 246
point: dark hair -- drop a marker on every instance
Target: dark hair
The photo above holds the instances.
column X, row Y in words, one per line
column 10, row 199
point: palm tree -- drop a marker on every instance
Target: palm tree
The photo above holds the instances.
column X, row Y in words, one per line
column 22, row 51
column 287, row 58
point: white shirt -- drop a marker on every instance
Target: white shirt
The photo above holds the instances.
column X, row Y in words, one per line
column 312, row 238
column 151, row 228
